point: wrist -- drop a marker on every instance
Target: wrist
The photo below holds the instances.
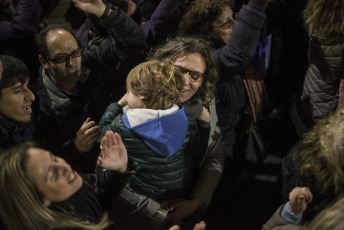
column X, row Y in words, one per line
column 258, row 4
column 107, row 11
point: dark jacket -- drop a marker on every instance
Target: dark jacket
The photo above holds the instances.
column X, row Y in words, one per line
column 58, row 126
column 325, row 70
column 17, row 31
column 233, row 58
column 160, row 177
column 96, row 194
column 24, row 23
column 162, row 23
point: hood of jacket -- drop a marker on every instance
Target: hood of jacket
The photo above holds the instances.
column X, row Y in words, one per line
column 164, row 134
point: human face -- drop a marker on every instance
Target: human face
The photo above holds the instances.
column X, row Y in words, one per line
column 15, row 103
column 193, row 62
column 223, row 25
column 134, row 101
column 66, row 74
column 53, row 177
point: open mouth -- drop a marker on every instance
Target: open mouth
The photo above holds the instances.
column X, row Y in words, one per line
column 27, row 109
column 72, row 177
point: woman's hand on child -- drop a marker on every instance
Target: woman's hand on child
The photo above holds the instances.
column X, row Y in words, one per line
column 113, row 153
column 204, row 115
column 123, row 101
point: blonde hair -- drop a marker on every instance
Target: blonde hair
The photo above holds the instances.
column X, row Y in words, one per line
column 325, row 17
column 331, row 218
column 21, row 204
column 158, row 81
column 322, row 156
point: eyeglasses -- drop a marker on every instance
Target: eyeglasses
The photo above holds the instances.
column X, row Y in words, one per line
column 194, row 75
column 228, row 24
column 63, row 57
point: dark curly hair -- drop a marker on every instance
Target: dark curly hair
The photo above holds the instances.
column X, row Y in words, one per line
column 199, row 16
column 181, row 46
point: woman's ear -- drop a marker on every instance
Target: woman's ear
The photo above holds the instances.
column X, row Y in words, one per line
column 46, row 203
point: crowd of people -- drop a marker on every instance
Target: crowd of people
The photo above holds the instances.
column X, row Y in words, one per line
column 125, row 115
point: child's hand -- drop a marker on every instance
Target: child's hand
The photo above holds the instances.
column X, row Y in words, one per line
column 114, row 154
column 204, row 116
column 299, row 198
column 123, row 101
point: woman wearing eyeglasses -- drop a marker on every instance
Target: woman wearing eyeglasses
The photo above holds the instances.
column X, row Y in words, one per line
column 233, row 42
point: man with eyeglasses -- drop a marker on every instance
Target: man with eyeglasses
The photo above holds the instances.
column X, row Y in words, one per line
column 74, row 87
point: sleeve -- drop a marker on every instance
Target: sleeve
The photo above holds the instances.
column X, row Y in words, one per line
column 126, row 39
column 108, row 184
column 110, row 114
column 24, row 23
column 163, row 22
column 236, row 55
column 204, row 133
column 290, row 217
column 277, row 223
column 213, row 164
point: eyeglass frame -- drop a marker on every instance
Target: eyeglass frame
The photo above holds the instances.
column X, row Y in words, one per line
column 191, row 73
column 229, row 23
column 80, row 50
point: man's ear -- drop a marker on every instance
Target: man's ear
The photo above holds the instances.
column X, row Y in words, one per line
column 46, row 203
column 43, row 61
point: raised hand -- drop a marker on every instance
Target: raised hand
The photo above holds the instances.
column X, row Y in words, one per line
column 114, row 154
column 95, row 7
column 299, row 197
column 87, row 136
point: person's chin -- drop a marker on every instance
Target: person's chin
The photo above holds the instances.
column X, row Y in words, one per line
column 184, row 97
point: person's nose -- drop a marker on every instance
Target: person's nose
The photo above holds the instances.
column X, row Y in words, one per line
column 29, row 95
column 187, row 78
column 62, row 169
column 71, row 61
